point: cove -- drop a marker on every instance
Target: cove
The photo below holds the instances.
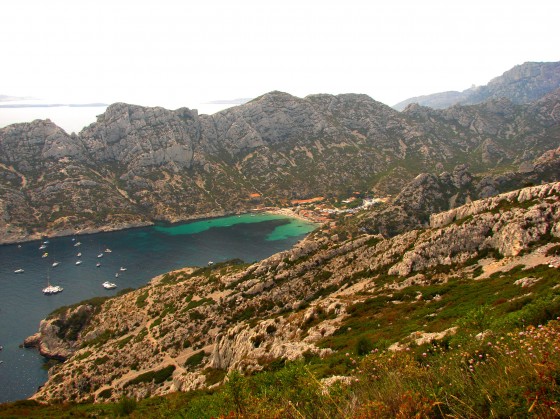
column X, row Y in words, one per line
column 144, row 252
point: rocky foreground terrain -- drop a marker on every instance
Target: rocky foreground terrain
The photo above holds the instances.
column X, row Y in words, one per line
column 137, row 165
column 187, row 328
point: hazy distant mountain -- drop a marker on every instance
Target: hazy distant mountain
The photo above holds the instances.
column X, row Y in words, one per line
column 54, row 105
column 7, row 98
column 239, row 101
column 522, row 84
column 137, row 164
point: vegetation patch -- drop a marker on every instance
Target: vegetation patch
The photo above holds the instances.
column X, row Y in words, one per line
column 158, row 376
column 194, row 360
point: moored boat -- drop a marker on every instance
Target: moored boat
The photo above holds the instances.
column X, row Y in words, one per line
column 109, row 285
column 19, row 271
column 51, row 289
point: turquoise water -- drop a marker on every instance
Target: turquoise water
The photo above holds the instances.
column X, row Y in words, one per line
column 292, row 228
column 145, row 252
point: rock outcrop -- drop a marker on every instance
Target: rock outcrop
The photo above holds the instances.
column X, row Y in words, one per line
column 429, row 194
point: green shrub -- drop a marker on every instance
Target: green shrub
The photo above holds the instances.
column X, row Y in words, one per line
column 158, row 376
column 126, row 406
column 363, row 346
column 105, row 394
column 194, row 360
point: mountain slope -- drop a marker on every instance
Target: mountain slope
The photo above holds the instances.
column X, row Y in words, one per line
column 136, row 165
column 189, row 327
column 522, row 84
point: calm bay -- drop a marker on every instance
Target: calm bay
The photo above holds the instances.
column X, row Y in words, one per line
column 143, row 252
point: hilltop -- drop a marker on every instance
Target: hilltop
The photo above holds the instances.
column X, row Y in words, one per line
column 523, row 83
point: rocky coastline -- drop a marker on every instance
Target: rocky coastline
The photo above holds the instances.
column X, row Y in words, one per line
column 244, row 317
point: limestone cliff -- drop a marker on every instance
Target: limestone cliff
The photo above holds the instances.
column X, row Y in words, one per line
column 137, row 165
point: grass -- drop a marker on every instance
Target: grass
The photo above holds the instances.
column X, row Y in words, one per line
column 509, row 374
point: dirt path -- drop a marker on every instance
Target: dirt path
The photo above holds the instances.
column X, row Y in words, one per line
column 538, row 257
column 18, row 174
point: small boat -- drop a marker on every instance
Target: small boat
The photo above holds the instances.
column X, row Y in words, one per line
column 78, row 262
column 79, row 254
column 77, row 244
column 210, row 263
column 107, row 250
column 43, row 246
column 19, row 271
column 19, row 246
column 100, row 255
column 45, row 255
column 122, row 269
column 109, row 285
column 55, row 264
column 98, row 264
column 117, row 275
column 46, row 242
column 51, row 289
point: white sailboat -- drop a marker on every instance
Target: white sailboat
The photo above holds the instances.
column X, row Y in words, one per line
column 51, row 289
column 109, row 285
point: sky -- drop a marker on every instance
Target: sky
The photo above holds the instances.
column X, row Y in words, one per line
column 180, row 53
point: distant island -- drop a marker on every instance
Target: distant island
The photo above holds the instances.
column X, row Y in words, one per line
column 55, row 105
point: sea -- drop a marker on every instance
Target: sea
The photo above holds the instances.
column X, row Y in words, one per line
column 142, row 253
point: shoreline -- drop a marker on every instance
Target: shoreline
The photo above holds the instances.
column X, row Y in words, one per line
column 288, row 212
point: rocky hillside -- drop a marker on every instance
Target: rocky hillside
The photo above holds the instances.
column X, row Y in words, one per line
column 188, row 328
column 429, row 193
column 522, row 84
column 136, row 165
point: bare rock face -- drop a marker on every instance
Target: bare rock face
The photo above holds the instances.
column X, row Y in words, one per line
column 243, row 347
column 57, row 336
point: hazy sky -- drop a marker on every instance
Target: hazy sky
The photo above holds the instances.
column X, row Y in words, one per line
column 179, row 53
